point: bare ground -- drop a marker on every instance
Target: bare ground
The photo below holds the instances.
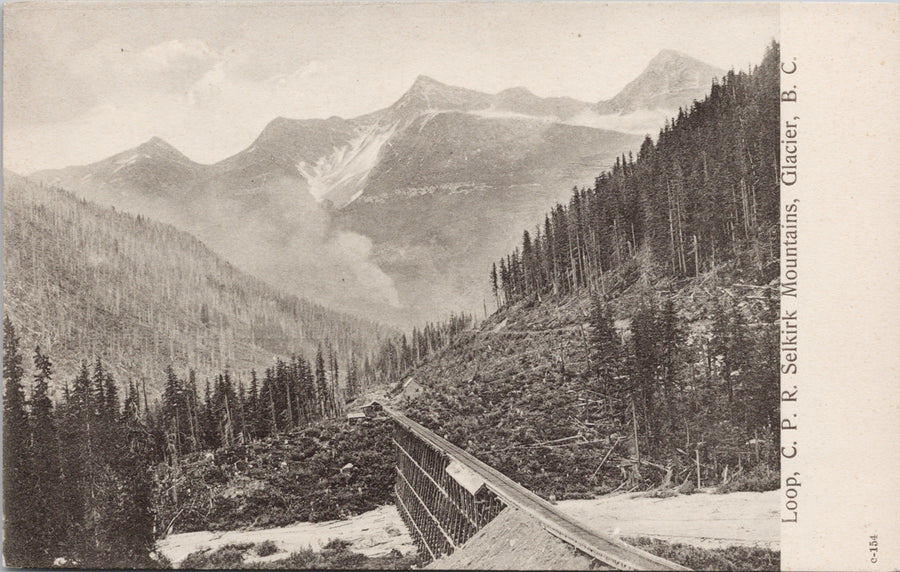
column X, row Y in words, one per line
column 513, row 541
column 705, row 520
column 374, row 533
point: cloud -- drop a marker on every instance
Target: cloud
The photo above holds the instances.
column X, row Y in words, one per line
column 115, row 69
column 644, row 122
column 356, row 249
column 199, row 100
column 288, row 239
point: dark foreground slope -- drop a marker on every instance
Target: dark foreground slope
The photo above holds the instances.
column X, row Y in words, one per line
column 324, row 472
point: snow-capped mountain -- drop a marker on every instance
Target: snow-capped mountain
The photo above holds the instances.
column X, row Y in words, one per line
column 440, row 183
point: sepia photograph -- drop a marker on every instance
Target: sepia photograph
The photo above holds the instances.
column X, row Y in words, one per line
column 399, row 285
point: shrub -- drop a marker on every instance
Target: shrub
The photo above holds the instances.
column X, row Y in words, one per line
column 337, row 544
column 759, row 479
column 731, row 558
column 662, row 494
column 226, row 557
column 687, row 487
column 266, row 548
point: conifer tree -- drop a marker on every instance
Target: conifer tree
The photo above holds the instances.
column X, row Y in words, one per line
column 111, row 395
column 46, row 517
column 18, row 546
column 352, row 378
column 253, row 409
column 321, row 384
column 645, row 364
column 607, row 358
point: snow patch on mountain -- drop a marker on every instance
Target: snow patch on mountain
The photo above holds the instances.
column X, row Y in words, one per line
column 493, row 113
column 340, row 175
column 129, row 161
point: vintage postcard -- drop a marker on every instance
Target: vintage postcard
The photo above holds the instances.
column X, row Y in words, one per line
column 457, row 285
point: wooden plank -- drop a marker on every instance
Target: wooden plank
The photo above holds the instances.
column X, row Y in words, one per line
column 606, row 549
column 436, row 484
column 413, row 521
column 427, row 510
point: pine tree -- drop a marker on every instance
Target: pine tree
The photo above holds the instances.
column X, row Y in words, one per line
column 352, row 378
column 170, row 413
column 494, row 284
column 18, row 510
column 98, row 389
column 73, row 439
column 321, row 384
column 670, row 342
column 253, row 409
column 645, row 365
column 47, row 517
column 111, row 391
column 209, row 430
column 607, row 358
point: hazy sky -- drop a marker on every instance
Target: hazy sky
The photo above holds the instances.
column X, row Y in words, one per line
column 83, row 81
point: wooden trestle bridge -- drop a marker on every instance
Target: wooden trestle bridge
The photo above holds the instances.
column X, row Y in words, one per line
column 445, row 496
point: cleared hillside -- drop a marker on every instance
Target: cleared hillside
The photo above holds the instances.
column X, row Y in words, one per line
column 522, row 395
column 83, row 280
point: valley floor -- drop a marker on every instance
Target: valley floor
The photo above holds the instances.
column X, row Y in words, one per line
column 704, row 520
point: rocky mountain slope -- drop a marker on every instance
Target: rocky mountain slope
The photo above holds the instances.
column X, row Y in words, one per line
column 489, row 163
column 624, row 355
column 671, row 80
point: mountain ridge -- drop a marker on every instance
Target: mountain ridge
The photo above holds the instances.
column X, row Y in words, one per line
column 503, row 157
column 424, row 86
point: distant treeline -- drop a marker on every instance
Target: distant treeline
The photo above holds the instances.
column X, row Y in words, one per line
column 291, row 394
column 397, row 356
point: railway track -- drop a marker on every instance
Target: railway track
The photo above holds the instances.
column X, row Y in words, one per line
column 606, row 549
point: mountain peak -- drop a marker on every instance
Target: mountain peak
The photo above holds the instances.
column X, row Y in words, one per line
column 155, row 148
column 672, row 58
column 516, row 92
column 157, row 145
column 424, row 80
column 429, row 93
column 669, row 54
column 156, row 141
column 670, row 80
column 426, row 86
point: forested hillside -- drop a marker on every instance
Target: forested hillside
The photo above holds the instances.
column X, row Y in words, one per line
column 636, row 340
column 704, row 194
column 84, row 280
